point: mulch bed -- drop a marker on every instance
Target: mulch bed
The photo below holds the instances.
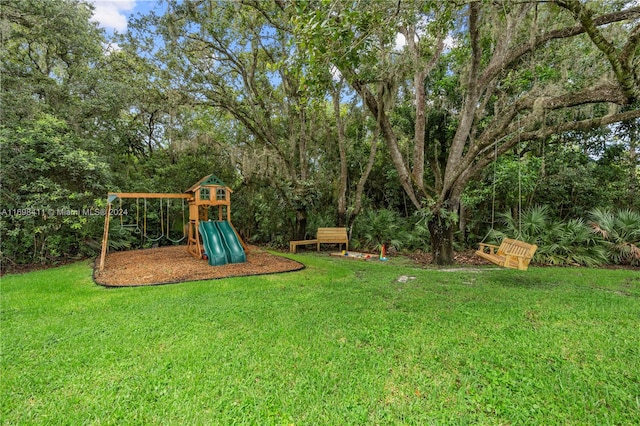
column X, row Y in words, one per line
column 174, row 264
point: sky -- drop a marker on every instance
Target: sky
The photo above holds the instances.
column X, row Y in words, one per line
column 112, row 14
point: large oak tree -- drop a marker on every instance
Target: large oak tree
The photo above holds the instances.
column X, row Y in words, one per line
column 502, row 72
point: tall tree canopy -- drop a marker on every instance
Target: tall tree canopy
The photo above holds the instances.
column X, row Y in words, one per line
column 502, row 73
column 224, row 56
column 287, row 101
column 53, row 102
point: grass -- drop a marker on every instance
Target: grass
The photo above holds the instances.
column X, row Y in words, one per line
column 341, row 342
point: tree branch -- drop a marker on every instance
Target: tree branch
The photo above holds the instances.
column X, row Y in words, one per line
column 493, row 69
column 620, row 68
column 548, row 131
column 377, row 110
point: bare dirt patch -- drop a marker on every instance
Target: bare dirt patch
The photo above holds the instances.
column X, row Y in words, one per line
column 463, row 258
column 174, row 264
column 468, row 261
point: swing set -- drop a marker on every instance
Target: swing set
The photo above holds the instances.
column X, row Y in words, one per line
column 207, row 192
column 164, row 216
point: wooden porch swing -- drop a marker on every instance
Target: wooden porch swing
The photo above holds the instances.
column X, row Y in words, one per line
column 511, row 253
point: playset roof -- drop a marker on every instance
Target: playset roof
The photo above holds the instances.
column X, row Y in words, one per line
column 210, row 180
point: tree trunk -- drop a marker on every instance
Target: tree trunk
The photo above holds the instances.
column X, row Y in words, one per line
column 301, row 224
column 376, row 107
column 365, row 175
column 441, row 231
column 302, row 145
column 462, row 224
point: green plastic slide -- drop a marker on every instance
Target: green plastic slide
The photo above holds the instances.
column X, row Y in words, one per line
column 235, row 252
column 213, row 245
column 221, row 244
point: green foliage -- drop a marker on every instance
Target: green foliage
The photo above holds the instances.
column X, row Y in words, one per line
column 48, row 193
column 446, row 217
column 240, row 90
column 48, row 48
column 575, row 182
column 261, row 215
column 570, row 243
column 620, row 231
column 507, row 176
column 559, row 242
column 376, row 227
column 571, row 178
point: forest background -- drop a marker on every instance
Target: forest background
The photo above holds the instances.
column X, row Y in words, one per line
column 423, row 125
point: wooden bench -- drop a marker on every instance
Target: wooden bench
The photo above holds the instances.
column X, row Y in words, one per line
column 323, row 236
column 510, row 254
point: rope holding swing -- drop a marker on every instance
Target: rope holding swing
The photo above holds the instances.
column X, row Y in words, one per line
column 493, row 192
column 519, row 184
column 511, row 253
column 134, row 226
column 168, row 227
column 146, row 236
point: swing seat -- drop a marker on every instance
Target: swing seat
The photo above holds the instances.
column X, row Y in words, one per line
column 511, row 253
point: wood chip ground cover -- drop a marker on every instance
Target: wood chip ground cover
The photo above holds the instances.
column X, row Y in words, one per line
column 174, row 264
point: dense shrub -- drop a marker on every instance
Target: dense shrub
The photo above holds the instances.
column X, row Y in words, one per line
column 620, row 232
column 50, row 189
column 609, row 236
column 376, row 227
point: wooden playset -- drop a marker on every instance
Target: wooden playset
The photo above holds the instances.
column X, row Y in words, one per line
column 223, row 241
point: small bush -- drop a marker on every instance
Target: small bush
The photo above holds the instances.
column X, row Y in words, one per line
column 569, row 242
column 620, row 232
column 376, row 227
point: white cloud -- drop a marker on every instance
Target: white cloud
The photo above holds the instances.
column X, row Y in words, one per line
column 401, row 41
column 110, row 13
column 110, row 48
column 336, row 75
column 450, row 42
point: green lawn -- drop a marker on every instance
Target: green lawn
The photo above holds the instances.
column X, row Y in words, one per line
column 341, row 342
